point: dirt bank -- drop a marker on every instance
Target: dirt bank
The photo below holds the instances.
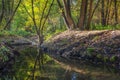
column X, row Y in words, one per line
column 98, row 47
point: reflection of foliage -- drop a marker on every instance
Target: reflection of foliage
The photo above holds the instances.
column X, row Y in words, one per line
column 4, row 53
column 25, row 63
column 24, row 66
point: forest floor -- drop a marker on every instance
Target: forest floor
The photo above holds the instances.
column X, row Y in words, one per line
column 98, row 47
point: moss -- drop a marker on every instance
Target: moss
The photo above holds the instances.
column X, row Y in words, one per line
column 90, row 51
column 99, row 56
column 106, row 58
column 96, row 37
column 113, row 58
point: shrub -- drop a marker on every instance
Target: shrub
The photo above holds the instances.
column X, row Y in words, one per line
column 4, row 53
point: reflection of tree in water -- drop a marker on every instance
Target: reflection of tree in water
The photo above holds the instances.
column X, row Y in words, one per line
column 38, row 66
column 69, row 75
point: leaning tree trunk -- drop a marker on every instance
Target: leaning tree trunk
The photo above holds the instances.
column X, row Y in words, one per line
column 66, row 13
column 70, row 22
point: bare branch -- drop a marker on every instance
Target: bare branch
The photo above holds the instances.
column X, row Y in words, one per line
column 43, row 14
column 47, row 15
column 33, row 17
column 27, row 11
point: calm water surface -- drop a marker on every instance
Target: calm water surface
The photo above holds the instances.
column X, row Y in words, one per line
column 32, row 64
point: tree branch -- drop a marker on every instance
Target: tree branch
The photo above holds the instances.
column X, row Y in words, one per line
column 43, row 14
column 47, row 15
column 12, row 15
column 27, row 11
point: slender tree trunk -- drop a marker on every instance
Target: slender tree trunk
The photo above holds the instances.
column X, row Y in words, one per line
column 2, row 11
column 90, row 14
column 109, row 12
column 103, row 21
column 39, row 29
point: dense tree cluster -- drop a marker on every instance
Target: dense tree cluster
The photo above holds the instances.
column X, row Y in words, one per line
column 35, row 15
column 108, row 9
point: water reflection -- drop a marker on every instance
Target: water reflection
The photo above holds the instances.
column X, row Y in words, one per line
column 33, row 64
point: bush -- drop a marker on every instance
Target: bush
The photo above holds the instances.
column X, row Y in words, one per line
column 4, row 53
column 101, row 27
column 14, row 33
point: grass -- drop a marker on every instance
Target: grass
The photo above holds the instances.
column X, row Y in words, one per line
column 107, row 27
column 49, row 35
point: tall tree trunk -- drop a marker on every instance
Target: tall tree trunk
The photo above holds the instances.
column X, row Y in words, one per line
column 116, row 12
column 68, row 14
column 103, row 13
column 89, row 15
column 83, row 14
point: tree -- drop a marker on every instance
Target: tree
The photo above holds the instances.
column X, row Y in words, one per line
column 108, row 15
column 116, row 11
column 83, row 14
column 39, row 22
column 66, row 13
column 86, row 13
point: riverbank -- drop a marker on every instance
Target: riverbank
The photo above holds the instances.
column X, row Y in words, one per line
column 98, row 47
column 83, row 51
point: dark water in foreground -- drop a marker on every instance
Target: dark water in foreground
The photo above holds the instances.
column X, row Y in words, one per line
column 33, row 65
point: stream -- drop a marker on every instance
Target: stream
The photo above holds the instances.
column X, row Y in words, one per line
column 33, row 64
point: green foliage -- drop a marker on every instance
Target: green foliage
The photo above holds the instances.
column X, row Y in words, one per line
column 49, row 33
column 22, row 33
column 3, row 53
column 101, row 27
column 15, row 33
column 96, row 37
